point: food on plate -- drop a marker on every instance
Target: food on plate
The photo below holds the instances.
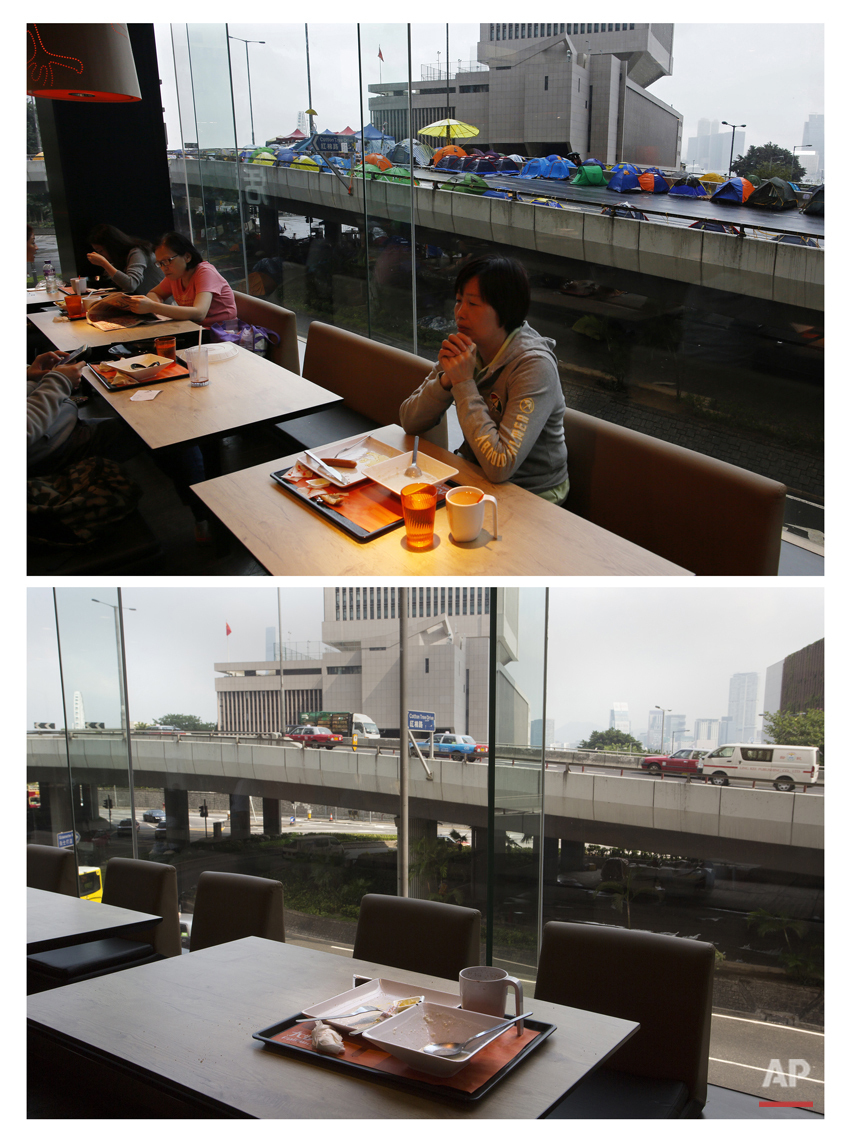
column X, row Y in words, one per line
column 339, row 462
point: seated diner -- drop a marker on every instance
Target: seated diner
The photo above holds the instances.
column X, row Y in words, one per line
column 128, row 262
column 198, row 292
column 503, row 378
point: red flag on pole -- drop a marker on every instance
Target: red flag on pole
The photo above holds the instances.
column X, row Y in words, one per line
column 227, row 629
column 379, row 54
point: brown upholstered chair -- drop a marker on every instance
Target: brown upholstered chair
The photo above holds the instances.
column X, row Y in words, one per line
column 52, row 868
column 708, row 516
column 231, row 906
column 150, row 888
column 372, row 379
column 664, row 983
column 418, row 935
column 259, row 312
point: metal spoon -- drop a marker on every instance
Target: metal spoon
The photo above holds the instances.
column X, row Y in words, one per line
column 413, row 470
column 454, row 1048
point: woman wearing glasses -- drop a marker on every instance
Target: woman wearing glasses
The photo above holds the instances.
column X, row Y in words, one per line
column 129, row 262
column 199, row 292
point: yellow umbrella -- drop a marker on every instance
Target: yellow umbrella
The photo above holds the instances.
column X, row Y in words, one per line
column 452, row 128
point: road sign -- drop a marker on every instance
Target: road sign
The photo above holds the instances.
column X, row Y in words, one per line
column 66, row 838
column 420, row 720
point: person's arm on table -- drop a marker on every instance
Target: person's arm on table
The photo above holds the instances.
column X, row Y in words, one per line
column 151, row 304
column 45, row 398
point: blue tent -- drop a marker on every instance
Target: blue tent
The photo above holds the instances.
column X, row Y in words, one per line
column 795, row 240
column 627, row 167
column 711, row 224
column 507, row 166
column 624, row 181
column 624, row 212
column 560, row 168
column 284, row 157
column 689, row 188
column 542, row 202
column 496, row 195
column 535, row 169
column 450, row 163
column 592, row 163
column 733, row 191
column 479, row 165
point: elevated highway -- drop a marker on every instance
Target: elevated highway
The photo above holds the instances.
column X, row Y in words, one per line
column 695, row 260
column 766, row 827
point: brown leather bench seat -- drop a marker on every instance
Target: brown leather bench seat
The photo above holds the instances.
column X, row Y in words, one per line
column 708, row 516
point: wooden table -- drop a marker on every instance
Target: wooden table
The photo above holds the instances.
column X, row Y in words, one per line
column 55, row 921
column 536, row 538
column 175, row 1038
column 243, row 390
column 68, row 335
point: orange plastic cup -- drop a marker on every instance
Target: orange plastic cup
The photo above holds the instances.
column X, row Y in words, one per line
column 166, row 347
column 74, row 306
column 418, row 504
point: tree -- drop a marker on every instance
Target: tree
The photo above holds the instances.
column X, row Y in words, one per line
column 185, row 723
column 796, row 728
column 767, row 162
column 33, row 137
column 611, row 740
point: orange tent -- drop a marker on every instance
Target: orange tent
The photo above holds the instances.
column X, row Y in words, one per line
column 450, row 149
column 379, row 161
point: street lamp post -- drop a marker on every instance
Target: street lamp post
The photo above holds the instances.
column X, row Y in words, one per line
column 663, row 710
column 248, row 69
column 732, row 143
column 125, row 724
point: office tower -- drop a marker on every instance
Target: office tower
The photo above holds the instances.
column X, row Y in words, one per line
column 706, row 732
column 741, row 707
column 619, row 717
column 536, row 730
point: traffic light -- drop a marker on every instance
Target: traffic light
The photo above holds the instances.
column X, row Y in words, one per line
column 202, row 810
column 108, row 803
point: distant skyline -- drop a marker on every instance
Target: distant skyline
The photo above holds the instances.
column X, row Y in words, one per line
column 722, row 70
column 676, row 647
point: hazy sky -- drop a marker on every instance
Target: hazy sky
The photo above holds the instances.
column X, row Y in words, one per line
column 768, row 76
column 677, row 647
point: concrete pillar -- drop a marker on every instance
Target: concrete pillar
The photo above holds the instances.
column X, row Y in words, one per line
column 572, row 855
column 87, row 802
column 240, row 816
column 268, row 217
column 55, row 801
column 333, row 231
column 271, row 816
column 423, row 876
column 176, row 818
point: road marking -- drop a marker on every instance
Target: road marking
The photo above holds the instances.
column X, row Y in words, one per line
column 768, row 1024
column 757, row 1068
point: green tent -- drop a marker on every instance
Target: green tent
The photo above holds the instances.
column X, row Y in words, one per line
column 397, row 175
column 591, row 176
column 469, row 185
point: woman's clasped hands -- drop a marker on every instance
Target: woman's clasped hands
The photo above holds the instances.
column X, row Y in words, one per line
column 457, row 359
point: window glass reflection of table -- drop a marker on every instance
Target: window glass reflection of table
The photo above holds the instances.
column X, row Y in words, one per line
column 192, row 1017
column 536, row 538
column 55, row 921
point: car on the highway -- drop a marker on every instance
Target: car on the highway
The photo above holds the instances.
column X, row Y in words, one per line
column 313, row 736
column 448, row 745
column 153, row 814
column 685, row 762
column 125, row 826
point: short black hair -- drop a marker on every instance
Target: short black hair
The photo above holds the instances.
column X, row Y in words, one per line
column 181, row 245
column 503, row 284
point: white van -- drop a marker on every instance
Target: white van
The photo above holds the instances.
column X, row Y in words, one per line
column 783, row 766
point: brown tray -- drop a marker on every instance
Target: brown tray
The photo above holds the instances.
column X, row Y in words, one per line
column 433, row 1086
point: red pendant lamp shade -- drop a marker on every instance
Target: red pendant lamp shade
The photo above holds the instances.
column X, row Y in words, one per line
column 82, row 62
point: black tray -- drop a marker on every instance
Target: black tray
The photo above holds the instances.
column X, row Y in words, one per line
column 421, row 1087
column 350, row 527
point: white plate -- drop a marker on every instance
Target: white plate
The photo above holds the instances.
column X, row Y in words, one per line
column 391, row 473
column 380, row 992
column 350, row 476
column 364, row 451
column 405, row 1035
column 147, row 365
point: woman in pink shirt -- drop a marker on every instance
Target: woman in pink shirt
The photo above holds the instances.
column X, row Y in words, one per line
column 199, row 292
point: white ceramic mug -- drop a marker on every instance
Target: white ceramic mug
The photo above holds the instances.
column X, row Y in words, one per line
column 465, row 507
column 80, row 285
column 484, row 989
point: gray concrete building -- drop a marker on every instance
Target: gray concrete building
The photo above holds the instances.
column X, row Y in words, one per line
column 448, row 654
column 538, row 89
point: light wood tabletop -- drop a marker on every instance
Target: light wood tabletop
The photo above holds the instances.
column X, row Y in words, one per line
column 182, row 1028
column 68, row 335
column 58, row 920
column 536, row 538
column 244, row 390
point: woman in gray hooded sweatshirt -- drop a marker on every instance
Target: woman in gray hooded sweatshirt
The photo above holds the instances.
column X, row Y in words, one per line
column 503, row 378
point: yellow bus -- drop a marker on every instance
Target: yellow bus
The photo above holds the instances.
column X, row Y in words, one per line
column 91, row 883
